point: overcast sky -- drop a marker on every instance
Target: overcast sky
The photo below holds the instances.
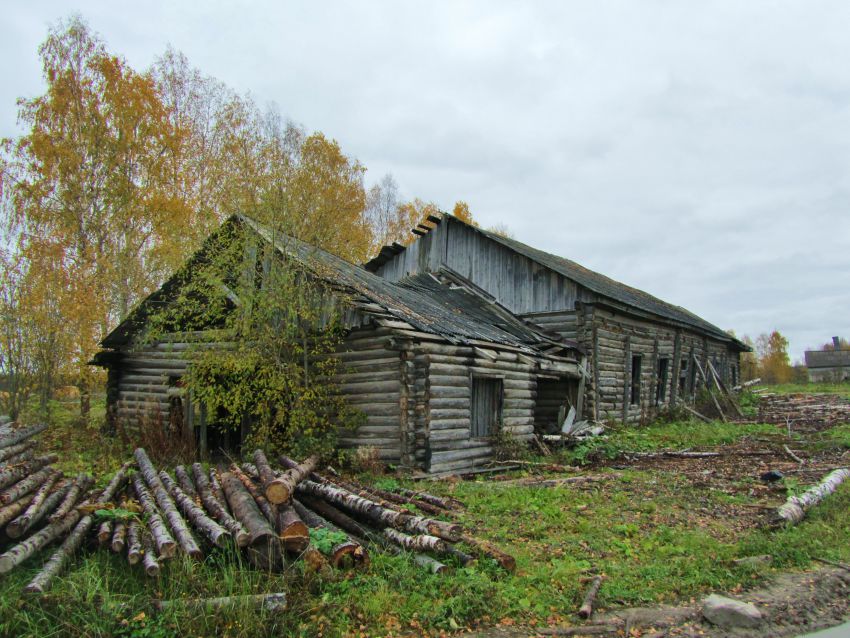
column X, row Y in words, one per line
column 697, row 150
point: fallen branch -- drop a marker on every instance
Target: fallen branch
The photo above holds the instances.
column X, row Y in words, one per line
column 792, row 455
column 586, row 609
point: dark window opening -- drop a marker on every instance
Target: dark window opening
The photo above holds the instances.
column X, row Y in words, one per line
column 661, row 389
column 683, row 377
column 486, row 406
column 636, row 361
column 733, row 370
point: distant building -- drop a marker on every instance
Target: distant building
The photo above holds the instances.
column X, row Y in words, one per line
column 829, row 365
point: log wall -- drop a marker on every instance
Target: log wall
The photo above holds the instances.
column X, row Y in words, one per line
column 139, row 385
column 450, row 370
column 612, row 339
column 370, row 377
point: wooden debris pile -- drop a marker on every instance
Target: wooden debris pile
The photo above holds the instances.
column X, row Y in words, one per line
column 274, row 514
column 810, row 411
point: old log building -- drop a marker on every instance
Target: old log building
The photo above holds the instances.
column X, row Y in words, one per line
column 642, row 352
column 448, row 340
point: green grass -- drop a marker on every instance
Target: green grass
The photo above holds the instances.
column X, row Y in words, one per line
column 659, row 436
column 655, row 535
column 656, row 539
column 842, row 389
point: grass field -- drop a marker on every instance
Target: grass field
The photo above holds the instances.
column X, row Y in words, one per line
column 658, row 534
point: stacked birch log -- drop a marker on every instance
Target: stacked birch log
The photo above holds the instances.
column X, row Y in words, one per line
column 804, row 410
column 151, row 516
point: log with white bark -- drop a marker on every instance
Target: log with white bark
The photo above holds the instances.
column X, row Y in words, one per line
column 16, row 459
column 119, row 537
column 82, row 483
column 166, row 505
column 25, row 486
column 69, row 546
column 22, row 434
column 17, row 554
column 22, row 523
column 9, row 512
column 418, row 543
column 215, row 508
column 794, row 509
column 379, row 515
column 16, row 450
column 432, row 565
column 217, row 490
column 104, row 532
column 216, row 534
column 186, row 484
column 264, row 545
column 149, row 561
column 14, row 473
column 165, row 545
column 134, row 541
column 49, row 504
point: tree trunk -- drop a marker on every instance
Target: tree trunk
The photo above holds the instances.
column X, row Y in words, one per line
column 20, row 525
column 149, row 561
column 280, row 489
column 178, row 525
column 57, row 561
column 134, row 541
column 119, row 537
column 18, row 459
column 350, row 550
column 165, row 545
column 268, row 510
column 484, row 548
column 23, row 434
column 293, row 532
column 216, row 489
column 216, row 534
column 586, row 609
column 186, row 484
column 381, row 515
column 9, row 512
column 14, row 473
column 17, row 554
column 25, row 486
column 420, row 543
column 12, row 451
column 794, row 509
column 398, row 499
column 433, row 566
column 104, row 532
column 264, row 545
column 82, row 483
column 214, row 507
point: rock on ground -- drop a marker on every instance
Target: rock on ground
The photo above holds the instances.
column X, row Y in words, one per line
column 730, row 613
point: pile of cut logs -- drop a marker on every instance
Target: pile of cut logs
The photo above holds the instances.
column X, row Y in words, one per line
column 272, row 513
column 807, row 410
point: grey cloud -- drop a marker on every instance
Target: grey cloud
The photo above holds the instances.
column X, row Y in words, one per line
column 700, row 151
